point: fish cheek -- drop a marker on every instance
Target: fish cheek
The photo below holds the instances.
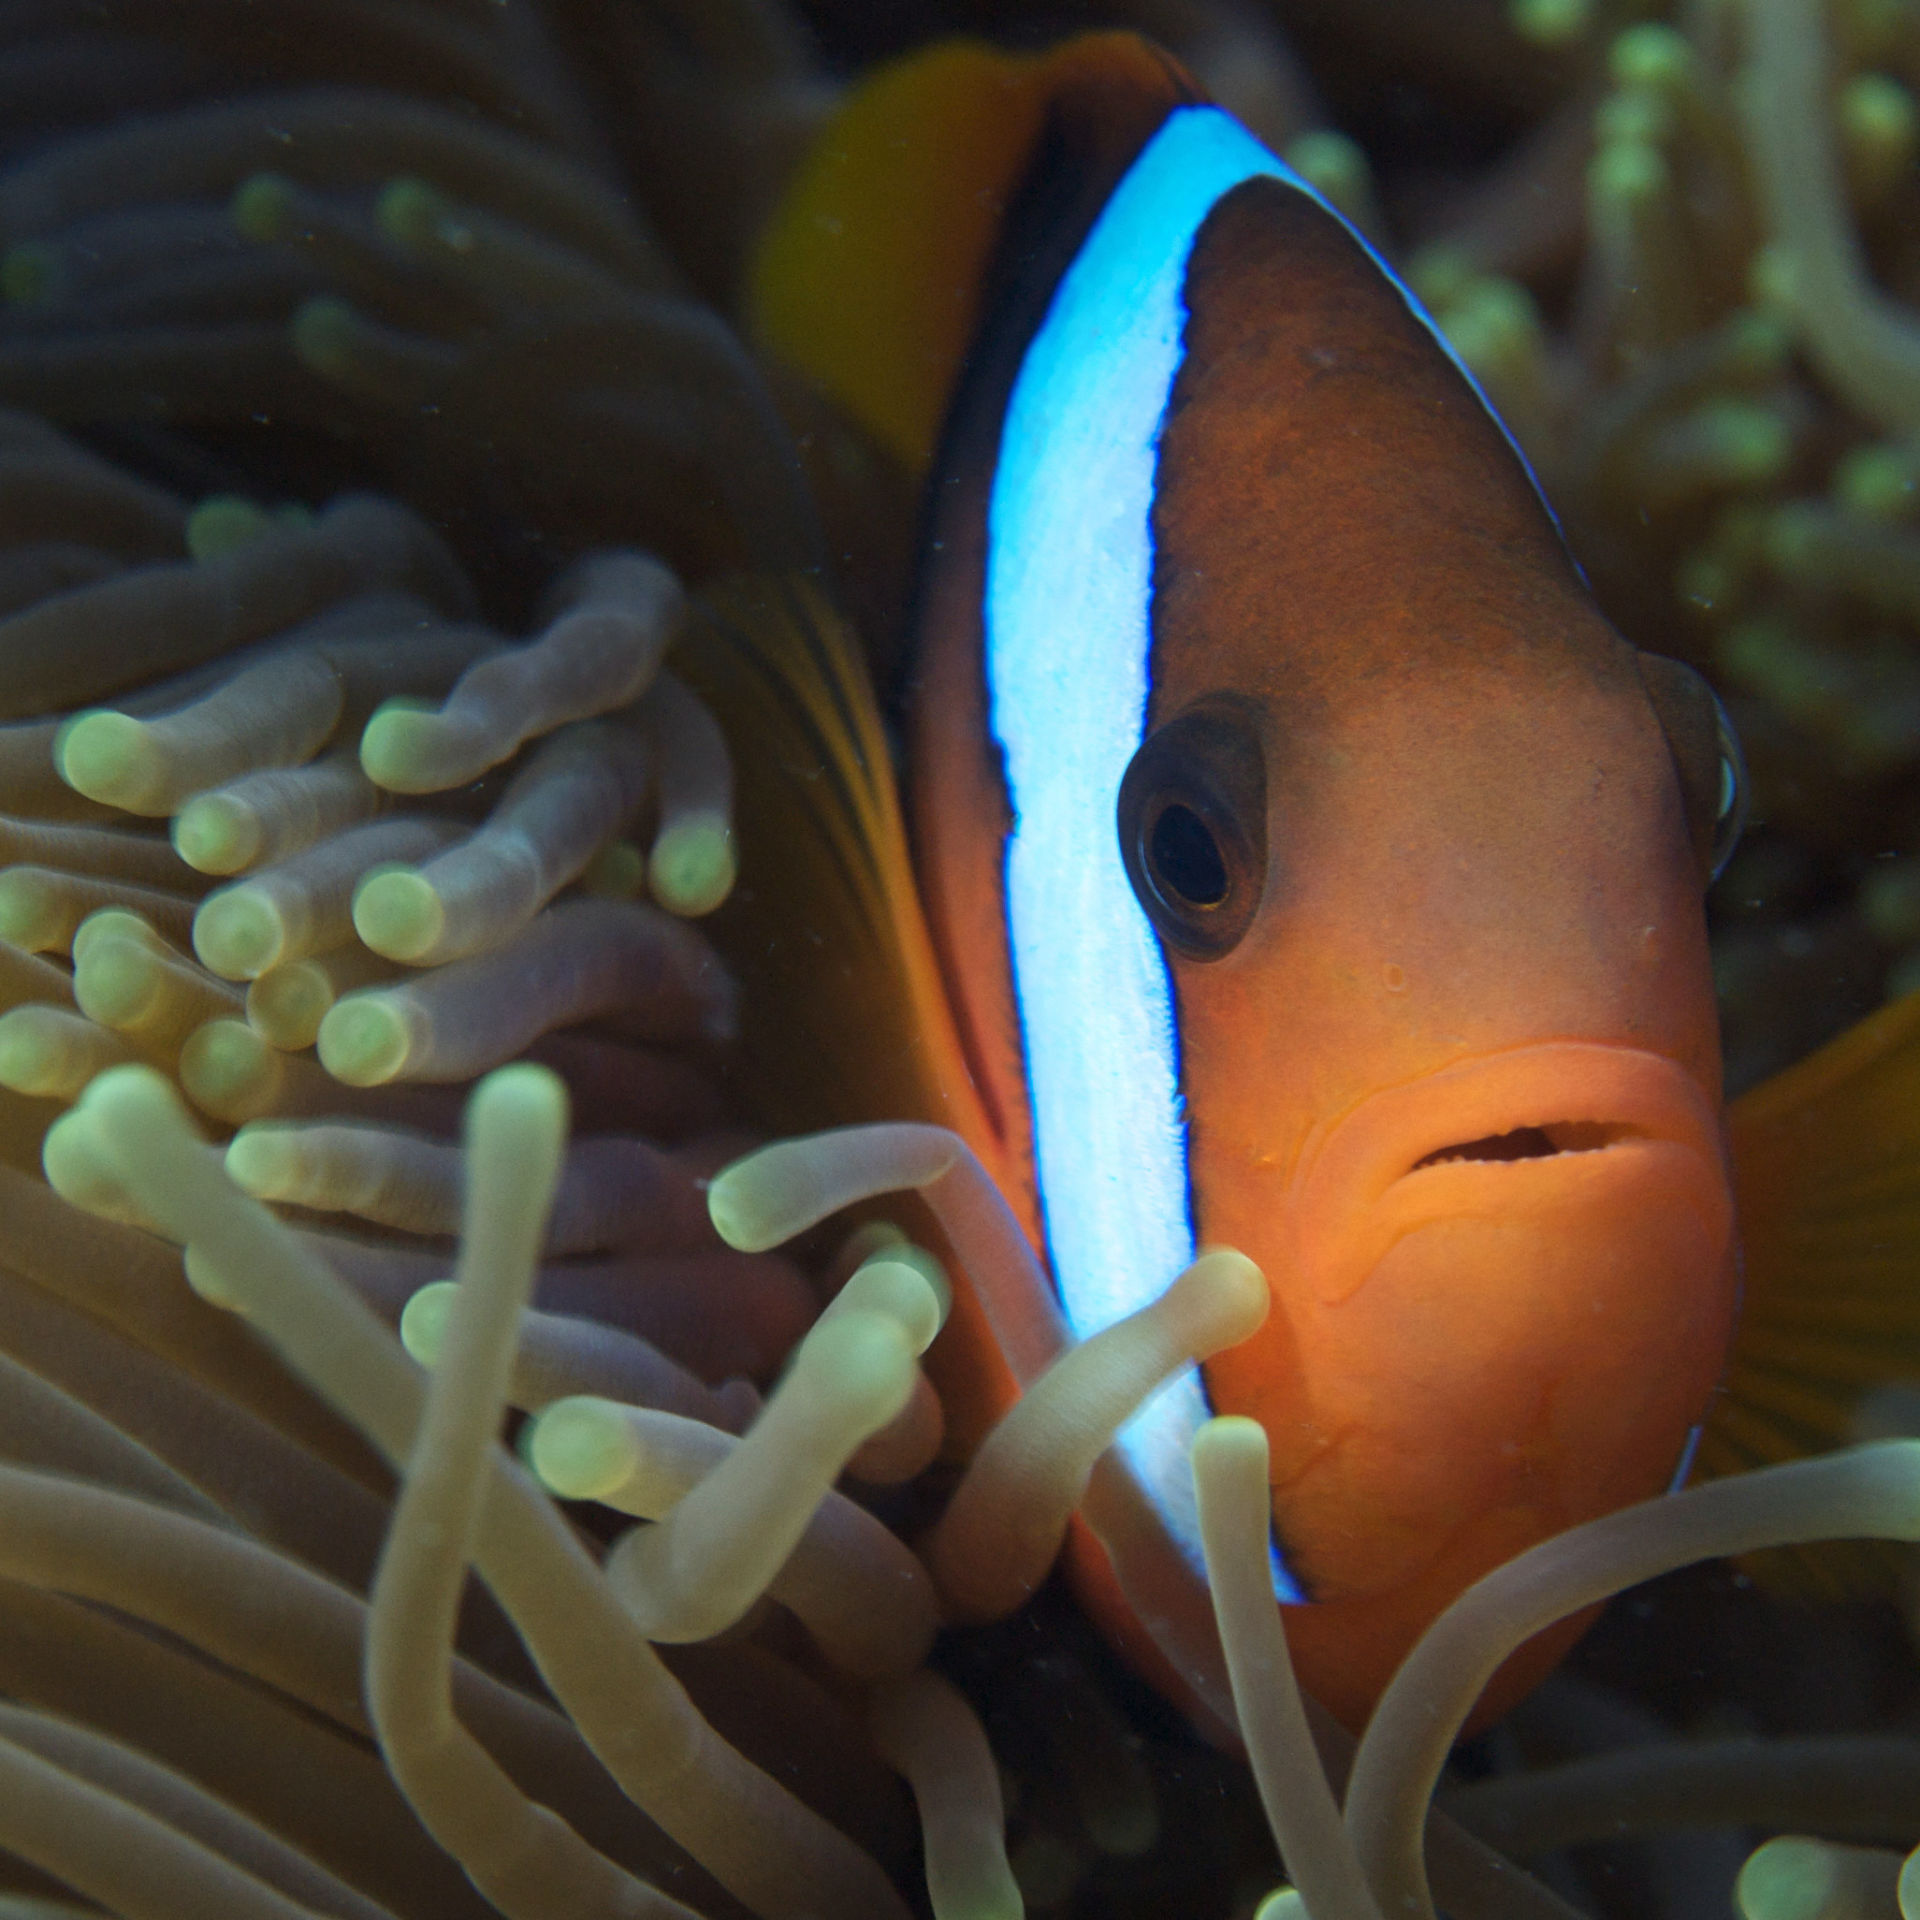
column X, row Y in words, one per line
column 1529, row 1356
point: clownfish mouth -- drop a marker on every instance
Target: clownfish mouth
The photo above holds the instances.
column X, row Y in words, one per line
column 1533, row 1142
column 1482, row 1135
column 1506, row 1289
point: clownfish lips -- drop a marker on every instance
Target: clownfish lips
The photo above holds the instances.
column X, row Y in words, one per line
column 1509, row 1296
column 1532, row 1143
column 1500, row 1136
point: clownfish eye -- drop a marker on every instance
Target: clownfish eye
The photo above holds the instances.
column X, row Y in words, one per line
column 1733, row 796
column 1706, row 754
column 1193, row 829
column 1184, row 860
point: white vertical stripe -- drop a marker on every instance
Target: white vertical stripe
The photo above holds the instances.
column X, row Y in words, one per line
column 1069, row 586
column 1068, row 650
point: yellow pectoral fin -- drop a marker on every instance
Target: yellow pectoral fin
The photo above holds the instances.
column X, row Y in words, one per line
column 1826, row 1161
column 844, row 1017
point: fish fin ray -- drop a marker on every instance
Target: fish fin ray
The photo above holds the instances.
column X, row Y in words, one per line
column 844, row 1015
column 825, row 930
column 1826, row 1165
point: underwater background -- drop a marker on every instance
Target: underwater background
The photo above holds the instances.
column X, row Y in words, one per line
column 380, row 324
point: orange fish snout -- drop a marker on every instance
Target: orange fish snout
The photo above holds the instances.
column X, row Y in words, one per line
column 1503, row 1292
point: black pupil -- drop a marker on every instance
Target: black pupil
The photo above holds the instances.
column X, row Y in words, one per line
column 1186, row 858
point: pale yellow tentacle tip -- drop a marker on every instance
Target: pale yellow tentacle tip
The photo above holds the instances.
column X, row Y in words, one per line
column 239, row 933
column 691, row 869
column 228, row 1071
column 521, row 1095
column 770, row 1195
column 322, row 333
column 1283, row 1903
column 262, row 1160
column 287, row 1004
column 81, row 1171
column 1626, row 175
column 1796, row 1878
column 396, row 746
column 225, row 522
column 423, row 1320
column 32, row 1054
column 397, row 913
column 214, row 833
column 868, row 1358
column 1237, row 1295
column 133, row 1096
column 893, row 1283
column 110, row 757
column 116, row 982
column 582, row 1447
column 745, row 1213
column 206, row 1280
column 1550, row 23
column 1652, row 55
column 262, row 206
column 1224, row 1443
column 408, row 210
column 617, row 872
column 364, row 1040
column 115, row 923
column 77, row 1152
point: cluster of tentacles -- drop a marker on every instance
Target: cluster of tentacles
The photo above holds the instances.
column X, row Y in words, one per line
column 366, row 443
column 349, row 915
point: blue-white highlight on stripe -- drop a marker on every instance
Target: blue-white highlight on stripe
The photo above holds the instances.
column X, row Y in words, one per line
column 1683, row 1468
column 1068, row 656
column 1068, row 649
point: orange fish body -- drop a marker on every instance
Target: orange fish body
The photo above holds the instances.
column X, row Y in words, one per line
column 1417, row 841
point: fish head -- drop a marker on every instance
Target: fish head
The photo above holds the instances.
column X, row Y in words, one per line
column 1425, row 843
column 1450, row 1060
column 1316, row 872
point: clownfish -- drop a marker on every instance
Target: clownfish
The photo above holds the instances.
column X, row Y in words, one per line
column 1294, row 859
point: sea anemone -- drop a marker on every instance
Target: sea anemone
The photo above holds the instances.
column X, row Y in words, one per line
column 376, row 444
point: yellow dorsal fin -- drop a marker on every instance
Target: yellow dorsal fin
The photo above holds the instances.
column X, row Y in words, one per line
column 868, row 280
column 844, row 1018
column 1827, row 1177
